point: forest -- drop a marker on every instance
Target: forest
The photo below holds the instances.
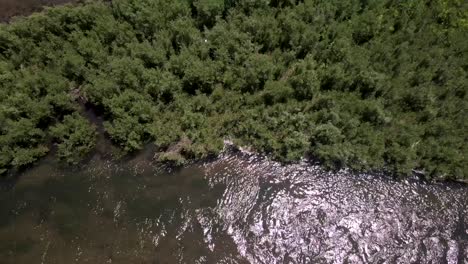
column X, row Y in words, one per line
column 366, row 85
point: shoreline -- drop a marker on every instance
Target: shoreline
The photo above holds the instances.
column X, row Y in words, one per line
column 148, row 157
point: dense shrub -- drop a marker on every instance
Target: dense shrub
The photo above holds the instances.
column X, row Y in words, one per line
column 363, row 84
column 75, row 137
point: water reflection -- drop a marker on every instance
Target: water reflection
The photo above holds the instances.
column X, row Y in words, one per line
column 239, row 208
column 301, row 214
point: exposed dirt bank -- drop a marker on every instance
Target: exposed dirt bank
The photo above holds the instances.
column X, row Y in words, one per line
column 11, row 8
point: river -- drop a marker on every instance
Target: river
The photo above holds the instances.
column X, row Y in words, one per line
column 237, row 208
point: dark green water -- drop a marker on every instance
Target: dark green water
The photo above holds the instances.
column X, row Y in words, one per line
column 105, row 213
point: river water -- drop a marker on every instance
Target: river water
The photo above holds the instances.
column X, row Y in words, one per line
column 237, row 208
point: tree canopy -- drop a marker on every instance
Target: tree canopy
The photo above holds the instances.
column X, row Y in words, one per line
column 369, row 85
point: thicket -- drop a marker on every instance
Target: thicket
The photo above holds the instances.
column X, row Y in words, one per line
column 369, row 85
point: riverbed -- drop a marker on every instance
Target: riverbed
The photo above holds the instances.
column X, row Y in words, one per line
column 236, row 208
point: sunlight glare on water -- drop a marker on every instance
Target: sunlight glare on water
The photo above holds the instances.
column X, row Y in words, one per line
column 238, row 208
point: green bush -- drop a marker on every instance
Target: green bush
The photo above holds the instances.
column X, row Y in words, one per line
column 371, row 85
column 75, row 137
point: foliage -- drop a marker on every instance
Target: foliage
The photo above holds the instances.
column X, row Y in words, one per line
column 75, row 137
column 369, row 85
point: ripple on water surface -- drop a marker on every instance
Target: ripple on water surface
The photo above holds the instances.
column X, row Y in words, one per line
column 239, row 208
column 302, row 214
